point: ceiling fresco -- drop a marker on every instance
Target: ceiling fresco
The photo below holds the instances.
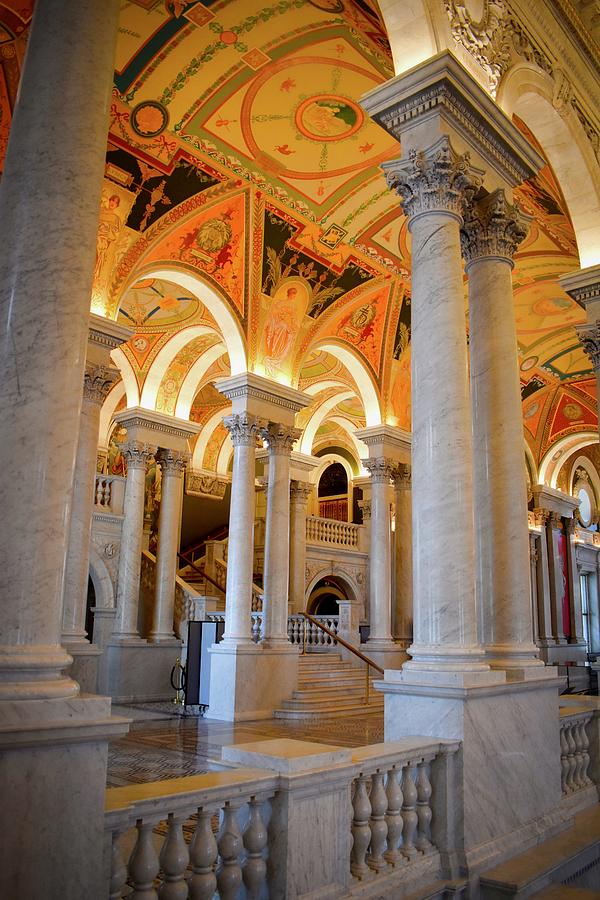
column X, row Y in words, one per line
column 238, row 153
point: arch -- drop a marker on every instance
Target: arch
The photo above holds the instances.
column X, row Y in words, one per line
column 365, row 384
column 349, row 587
column 528, row 92
column 584, row 463
column 205, row 436
column 128, row 375
column 555, row 455
column 362, row 451
column 163, row 360
column 225, row 454
column 192, row 380
column 410, row 33
column 218, row 307
column 316, row 420
column 326, row 460
column 103, row 585
column 319, row 593
column 108, row 410
column 530, row 464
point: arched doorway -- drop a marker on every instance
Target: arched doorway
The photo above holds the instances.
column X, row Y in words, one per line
column 333, row 493
column 324, row 598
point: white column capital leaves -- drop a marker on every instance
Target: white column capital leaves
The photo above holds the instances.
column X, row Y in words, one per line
column 243, row 428
column 279, row 438
column 172, row 462
column 493, row 227
column 97, row 382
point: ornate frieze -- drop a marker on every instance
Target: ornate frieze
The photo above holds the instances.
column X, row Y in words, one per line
column 172, row 462
column 97, row 382
column 493, row 227
column 589, row 335
column 380, row 468
column 243, row 428
column 137, row 453
column 434, row 179
column 279, row 438
column 205, row 484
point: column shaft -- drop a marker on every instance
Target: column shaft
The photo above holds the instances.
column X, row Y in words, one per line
column 380, row 562
column 130, row 554
column 500, row 488
column 403, row 616
column 299, row 494
column 49, row 200
column 280, row 439
column 240, row 552
column 172, row 464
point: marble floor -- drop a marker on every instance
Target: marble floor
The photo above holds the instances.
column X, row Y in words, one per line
column 160, row 745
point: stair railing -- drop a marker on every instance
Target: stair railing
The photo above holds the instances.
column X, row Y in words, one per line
column 257, row 597
column 340, row 640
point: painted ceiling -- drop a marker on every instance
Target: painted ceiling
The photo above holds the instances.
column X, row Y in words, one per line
column 237, row 150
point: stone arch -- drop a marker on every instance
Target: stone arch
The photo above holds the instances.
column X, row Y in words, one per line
column 529, row 92
column 365, row 384
column 349, row 587
column 554, row 457
column 163, row 360
column 410, row 32
column 319, row 414
column 192, row 380
column 128, row 376
column 102, row 581
column 107, row 411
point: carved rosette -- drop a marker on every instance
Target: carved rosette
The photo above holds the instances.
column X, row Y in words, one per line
column 380, row 468
column 493, row 227
column 137, row 454
column 300, row 491
column 279, row 438
column 172, row 462
column 243, row 428
column 402, row 477
column 589, row 335
column 436, row 179
column 97, row 382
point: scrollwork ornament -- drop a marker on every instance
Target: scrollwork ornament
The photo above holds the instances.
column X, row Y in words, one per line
column 172, row 462
column 589, row 335
column 402, row 477
column 380, row 469
column 97, row 382
column 279, row 438
column 243, row 428
column 493, row 227
column 137, row 454
column 436, row 179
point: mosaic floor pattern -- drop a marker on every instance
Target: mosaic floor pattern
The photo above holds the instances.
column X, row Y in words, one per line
column 161, row 746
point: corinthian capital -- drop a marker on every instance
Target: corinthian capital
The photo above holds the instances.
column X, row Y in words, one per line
column 589, row 335
column 136, row 454
column 493, row 227
column 172, row 462
column 380, row 468
column 243, row 428
column 436, row 179
column 279, row 438
column 97, row 382
column 402, row 477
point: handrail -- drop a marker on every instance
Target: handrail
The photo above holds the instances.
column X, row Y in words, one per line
column 345, row 644
column 211, row 536
column 200, row 572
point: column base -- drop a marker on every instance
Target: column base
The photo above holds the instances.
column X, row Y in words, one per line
column 385, row 652
column 508, row 777
column 52, row 782
column 84, row 668
column 138, row 672
column 35, row 672
column 163, row 639
column 249, row 681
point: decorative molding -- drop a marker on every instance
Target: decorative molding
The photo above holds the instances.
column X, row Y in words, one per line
column 97, row 382
column 279, row 438
column 493, row 227
column 172, row 462
column 247, row 385
column 589, row 335
column 155, row 422
column 380, row 468
column 402, row 477
column 205, row 484
column 300, row 491
column 433, row 179
column 106, row 333
column 538, row 517
column 365, row 507
column 137, row 454
column 243, row 428
column 583, row 286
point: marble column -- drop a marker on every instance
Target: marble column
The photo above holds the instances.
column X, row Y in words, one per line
column 491, row 233
column 136, row 454
column 584, row 287
column 542, row 582
column 434, row 185
column 98, row 381
column 244, row 431
column 280, row 440
column 558, row 585
column 300, row 491
column 381, row 471
column 172, row 464
column 49, row 216
column 402, row 608
column 576, row 617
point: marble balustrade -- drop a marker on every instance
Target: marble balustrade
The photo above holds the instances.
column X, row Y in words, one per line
column 109, row 494
column 332, row 531
column 196, row 835
column 574, row 750
column 315, row 637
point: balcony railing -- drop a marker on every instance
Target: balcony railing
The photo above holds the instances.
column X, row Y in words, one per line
column 331, row 531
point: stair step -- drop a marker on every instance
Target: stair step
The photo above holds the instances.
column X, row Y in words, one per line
column 326, row 705
column 322, row 714
column 565, row 892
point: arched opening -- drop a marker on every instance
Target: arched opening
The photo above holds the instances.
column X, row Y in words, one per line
column 333, row 492
column 325, row 597
column 89, row 614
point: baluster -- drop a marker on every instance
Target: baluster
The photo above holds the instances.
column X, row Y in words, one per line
column 174, row 859
column 585, row 756
column 571, row 758
column 108, row 493
column 143, row 864
column 255, row 629
column 577, row 779
column 98, row 494
column 361, row 832
column 118, row 869
column 423, row 784
column 409, row 815
column 564, row 759
column 255, row 841
column 203, row 857
column 378, row 824
column 229, row 873
column 393, row 819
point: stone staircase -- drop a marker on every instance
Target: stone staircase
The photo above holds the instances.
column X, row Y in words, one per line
column 330, row 688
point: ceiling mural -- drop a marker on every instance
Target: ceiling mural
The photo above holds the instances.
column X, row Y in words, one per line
column 238, row 153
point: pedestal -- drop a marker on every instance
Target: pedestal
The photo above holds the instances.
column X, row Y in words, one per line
column 249, row 681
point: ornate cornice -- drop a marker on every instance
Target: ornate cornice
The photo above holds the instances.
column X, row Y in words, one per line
column 279, row 438
column 380, row 468
column 589, row 335
column 583, row 285
column 243, row 428
column 136, row 454
column 436, row 179
column 97, row 382
column 172, row 462
column 249, row 386
column 156, row 423
column 492, row 227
